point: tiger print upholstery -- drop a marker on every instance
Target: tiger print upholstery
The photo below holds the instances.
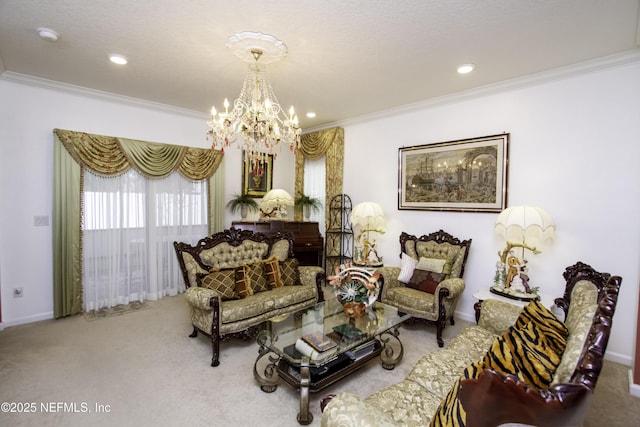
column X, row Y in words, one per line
column 493, row 398
column 522, row 351
column 450, row 412
column 555, row 331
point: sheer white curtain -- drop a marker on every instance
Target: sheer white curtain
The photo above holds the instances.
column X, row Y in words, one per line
column 129, row 224
column 315, row 186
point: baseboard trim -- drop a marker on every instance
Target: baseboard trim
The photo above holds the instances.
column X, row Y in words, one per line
column 25, row 320
column 465, row 316
column 618, row 358
column 634, row 389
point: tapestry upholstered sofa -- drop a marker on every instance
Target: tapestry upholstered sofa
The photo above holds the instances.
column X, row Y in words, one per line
column 237, row 279
column 429, row 281
column 517, row 365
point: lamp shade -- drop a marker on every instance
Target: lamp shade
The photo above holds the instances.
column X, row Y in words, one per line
column 370, row 216
column 276, row 198
column 529, row 224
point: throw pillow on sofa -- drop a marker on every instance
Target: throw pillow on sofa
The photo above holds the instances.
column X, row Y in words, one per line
column 537, row 359
column 425, row 281
column 257, row 277
column 555, row 331
column 407, row 267
column 436, row 265
column 222, row 281
column 243, row 282
column 525, row 354
column 289, row 272
column 272, row 273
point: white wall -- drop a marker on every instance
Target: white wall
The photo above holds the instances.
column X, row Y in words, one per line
column 574, row 151
column 28, row 115
column 574, row 148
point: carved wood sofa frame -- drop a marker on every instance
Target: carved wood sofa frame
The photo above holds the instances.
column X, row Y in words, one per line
column 234, row 237
column 439, row 236
column 493, row 399
column 511, row 401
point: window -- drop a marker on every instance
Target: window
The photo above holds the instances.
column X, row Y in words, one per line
column 315, row 186
column 129, row 224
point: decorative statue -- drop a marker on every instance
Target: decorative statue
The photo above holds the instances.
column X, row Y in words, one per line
column 511, row 271
column 514, row 267
column 372, row 256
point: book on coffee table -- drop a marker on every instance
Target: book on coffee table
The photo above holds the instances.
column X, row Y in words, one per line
column 319, row 341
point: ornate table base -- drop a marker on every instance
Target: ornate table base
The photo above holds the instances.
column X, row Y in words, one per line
column 270, row 367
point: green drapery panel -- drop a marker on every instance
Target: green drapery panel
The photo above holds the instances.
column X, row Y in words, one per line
column 109, row 156
column 67, row 260
column 329, row 143
column 216, row 200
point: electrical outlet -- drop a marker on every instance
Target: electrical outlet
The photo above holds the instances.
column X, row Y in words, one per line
column 41, row 221
column 17, row 292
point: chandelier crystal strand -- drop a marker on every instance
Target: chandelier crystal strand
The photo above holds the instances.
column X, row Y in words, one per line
column 257, row 122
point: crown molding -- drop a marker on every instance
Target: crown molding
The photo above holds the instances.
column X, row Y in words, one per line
column 94, row 93
column 603, row 63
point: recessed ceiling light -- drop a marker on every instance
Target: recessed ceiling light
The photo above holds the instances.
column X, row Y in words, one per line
column 466, row 68
column 311, row 114
column 47, row 34
column 118, row 59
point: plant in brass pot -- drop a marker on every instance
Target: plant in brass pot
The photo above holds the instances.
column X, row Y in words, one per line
column 307, row 204
column 243, row 203
column 356, row 289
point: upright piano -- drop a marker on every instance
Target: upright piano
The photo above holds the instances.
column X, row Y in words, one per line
column 308, row 245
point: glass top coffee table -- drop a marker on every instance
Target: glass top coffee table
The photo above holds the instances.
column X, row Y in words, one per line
column 316, row 347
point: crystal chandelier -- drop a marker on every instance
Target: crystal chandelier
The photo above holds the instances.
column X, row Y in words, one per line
column 256, row 122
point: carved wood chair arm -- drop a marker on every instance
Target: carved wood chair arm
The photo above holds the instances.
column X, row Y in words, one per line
column 512, row 401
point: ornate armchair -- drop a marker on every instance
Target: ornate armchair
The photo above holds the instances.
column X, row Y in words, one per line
column 429, row 281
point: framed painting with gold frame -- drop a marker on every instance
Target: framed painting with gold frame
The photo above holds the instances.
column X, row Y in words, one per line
column 257, row 180
column 468, row 175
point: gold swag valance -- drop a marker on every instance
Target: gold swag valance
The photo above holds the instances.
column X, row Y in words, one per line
column 316, row 144
column 108, row 156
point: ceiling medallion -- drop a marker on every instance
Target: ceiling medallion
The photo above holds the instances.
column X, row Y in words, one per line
column 256, row 122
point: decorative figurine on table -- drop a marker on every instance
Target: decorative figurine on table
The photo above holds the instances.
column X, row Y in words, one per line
column 511, row 279
column 356, row 289
column 372, row 255
column 370, row 218
column 514, row 267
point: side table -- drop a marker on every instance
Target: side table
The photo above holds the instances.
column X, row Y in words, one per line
column 484, row 294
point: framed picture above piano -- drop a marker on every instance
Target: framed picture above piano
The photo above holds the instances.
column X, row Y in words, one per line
column 257, row 176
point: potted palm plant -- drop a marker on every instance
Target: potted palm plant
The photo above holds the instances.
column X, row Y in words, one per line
column 243, row 203
column 307, row 204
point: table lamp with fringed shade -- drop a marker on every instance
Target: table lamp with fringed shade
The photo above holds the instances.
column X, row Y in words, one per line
column 524, row 227
column 276, row 201
column 370, row 217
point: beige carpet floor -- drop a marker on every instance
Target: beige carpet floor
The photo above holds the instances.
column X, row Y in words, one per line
column 141, row 369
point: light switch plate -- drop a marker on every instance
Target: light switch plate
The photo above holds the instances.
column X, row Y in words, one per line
column 41, row 221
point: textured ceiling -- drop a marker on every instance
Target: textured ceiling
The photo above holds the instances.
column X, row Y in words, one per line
column 345, row 58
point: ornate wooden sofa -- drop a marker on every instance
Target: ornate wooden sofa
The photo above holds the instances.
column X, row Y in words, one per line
column 435, row 302
column 237, row 279
column 460, row 384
